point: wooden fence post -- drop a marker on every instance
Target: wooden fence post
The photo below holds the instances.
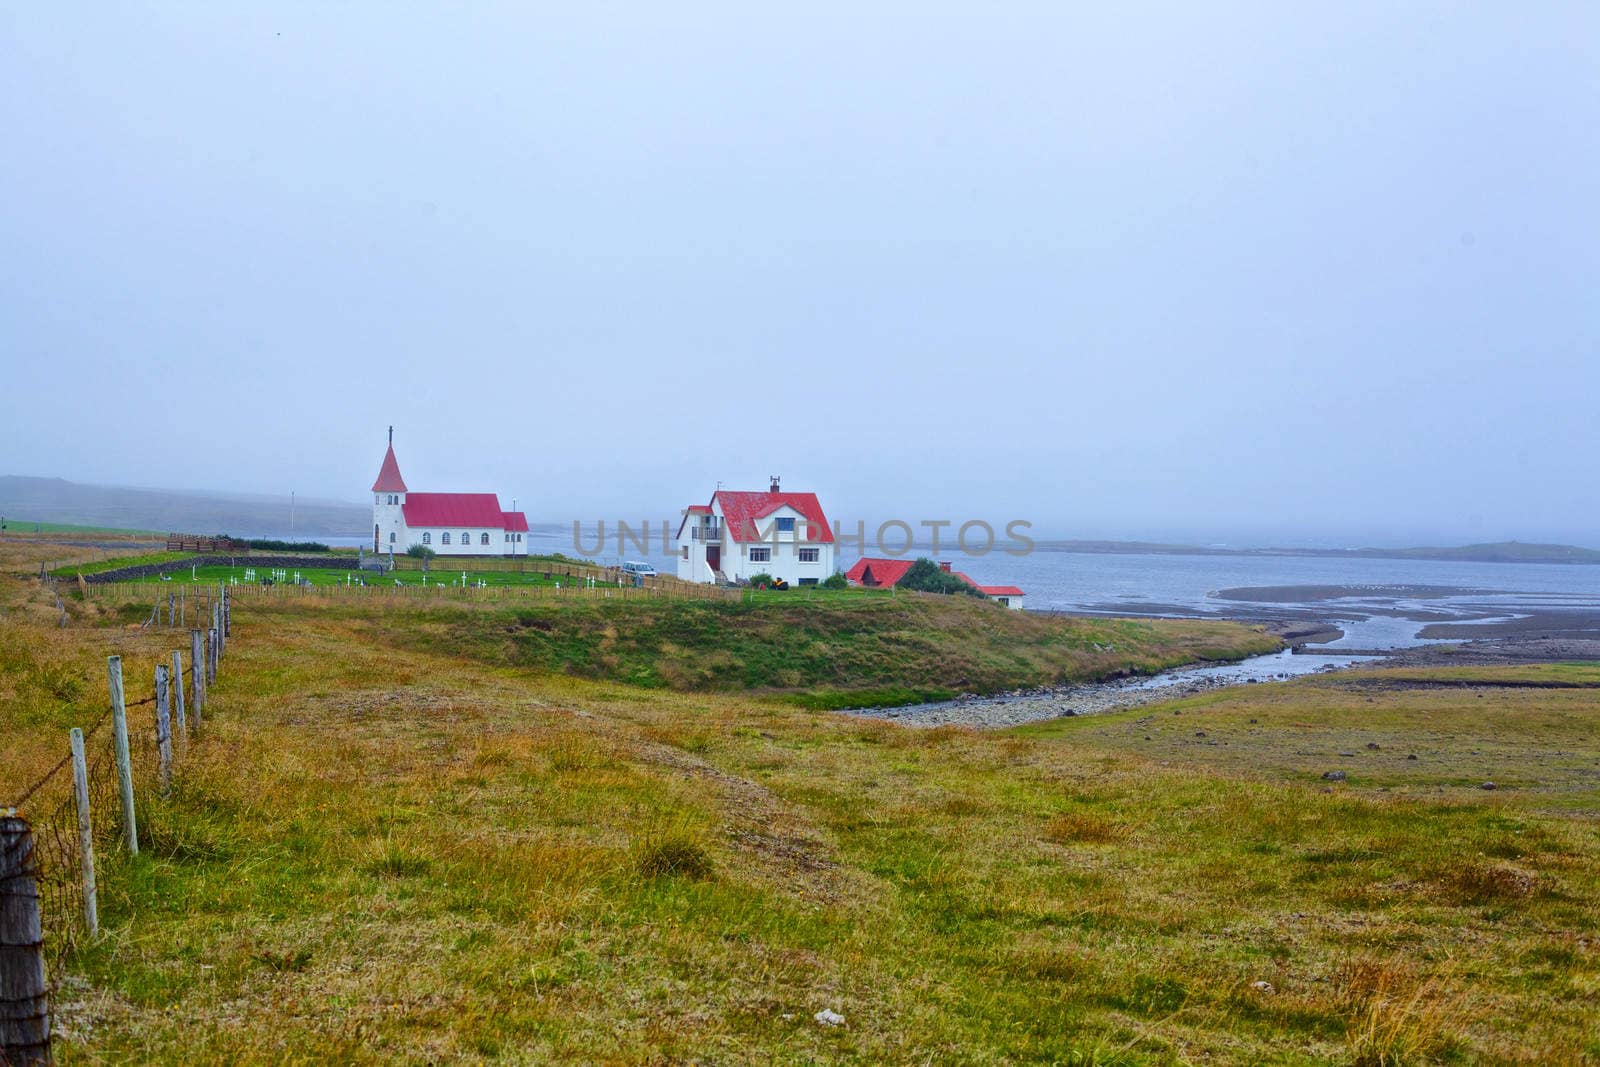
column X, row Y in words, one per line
column 211, row 654
column 80, row 791
column 227, row 614
column 24, row 1004
column 119, row 727
column 197, row 675
column 164, row 726
column 177, row 696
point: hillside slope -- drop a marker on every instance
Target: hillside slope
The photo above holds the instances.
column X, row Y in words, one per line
column 55, row 500
column 850, row 649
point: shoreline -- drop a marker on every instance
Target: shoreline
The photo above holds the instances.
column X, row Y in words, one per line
column 1525, row 640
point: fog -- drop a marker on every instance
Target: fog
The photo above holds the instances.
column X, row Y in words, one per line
column 1241, row 273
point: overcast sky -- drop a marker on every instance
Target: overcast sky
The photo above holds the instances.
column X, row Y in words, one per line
column 1231, row 272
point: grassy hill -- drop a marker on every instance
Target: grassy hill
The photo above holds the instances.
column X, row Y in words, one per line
column 391, row 847
column 848, row 649
column 57, row 501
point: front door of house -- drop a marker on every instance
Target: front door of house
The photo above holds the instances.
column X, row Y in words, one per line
column 714, row 558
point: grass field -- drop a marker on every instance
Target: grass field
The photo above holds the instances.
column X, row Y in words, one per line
column 392, row 848
column 445, row 576
column 18, row 527
column 822, row 649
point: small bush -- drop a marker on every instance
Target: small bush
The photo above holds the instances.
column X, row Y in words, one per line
column 1488, row 883
column 836, row 580
column 675, row 855
column 926, row 576
column 268, row 545
column 1393, row 1016
column 763, row 580
column 392, row 860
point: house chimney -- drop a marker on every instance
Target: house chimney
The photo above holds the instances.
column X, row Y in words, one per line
column 944, row 565
column 774, row 488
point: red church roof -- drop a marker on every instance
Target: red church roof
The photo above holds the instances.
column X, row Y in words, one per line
column 515, row 521
column 389, row 480
column 467, row 510
column 740, row 511
column 878, row 573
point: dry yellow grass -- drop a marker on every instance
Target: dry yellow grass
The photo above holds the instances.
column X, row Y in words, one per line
column 382, row 854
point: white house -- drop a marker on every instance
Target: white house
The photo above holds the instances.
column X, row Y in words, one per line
column 741, row 534
column 452, row 524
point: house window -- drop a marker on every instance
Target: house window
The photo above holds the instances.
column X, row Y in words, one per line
column 444, row 539
column 485, row 540
column 391, row 537
column 760, row 555
column 427, row 538
column 685, row 551
column 810, row 555
column 786, row 524
column 808, row 581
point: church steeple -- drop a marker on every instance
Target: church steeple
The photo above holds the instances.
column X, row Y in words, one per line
column 389, row 480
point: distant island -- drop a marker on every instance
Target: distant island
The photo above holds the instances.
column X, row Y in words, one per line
column 1497, row 552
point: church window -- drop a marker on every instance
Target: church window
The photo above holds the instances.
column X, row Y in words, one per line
column 427, row 538
column 391, row 537
column 466, row 537
column 445, row 540
column 485, row 540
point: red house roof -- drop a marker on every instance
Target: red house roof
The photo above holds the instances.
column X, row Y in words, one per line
column 467, row 510
column 742, row 510
column 886, row 572
column 881, row 572
column 991, row 590
column 389, row 480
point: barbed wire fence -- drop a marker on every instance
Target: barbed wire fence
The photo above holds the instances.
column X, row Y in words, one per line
column 88, row 802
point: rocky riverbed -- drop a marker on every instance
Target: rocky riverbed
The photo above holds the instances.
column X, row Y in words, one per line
column 1014, row 709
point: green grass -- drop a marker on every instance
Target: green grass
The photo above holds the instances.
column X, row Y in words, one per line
column 380, row 851
column 828, row 650
column 15, row 526
column 118, row 562
column 327, row 576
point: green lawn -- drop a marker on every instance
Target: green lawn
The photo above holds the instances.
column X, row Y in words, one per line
column 438, row 576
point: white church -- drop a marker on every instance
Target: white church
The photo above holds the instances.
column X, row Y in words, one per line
column 452, row 524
